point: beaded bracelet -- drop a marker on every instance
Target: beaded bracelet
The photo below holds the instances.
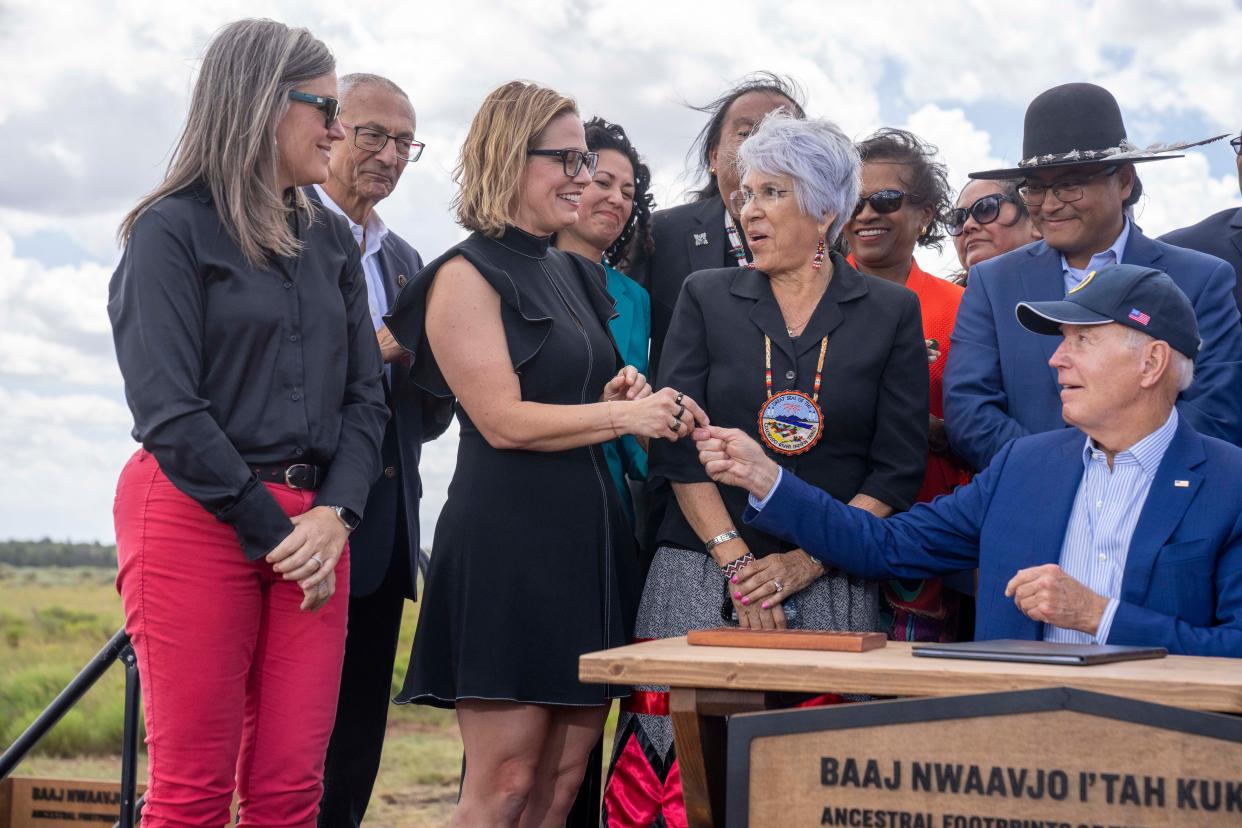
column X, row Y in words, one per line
column 737, row 565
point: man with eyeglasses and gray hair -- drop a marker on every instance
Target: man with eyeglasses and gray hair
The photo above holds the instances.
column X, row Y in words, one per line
column 1079, row 183
column 379, row 124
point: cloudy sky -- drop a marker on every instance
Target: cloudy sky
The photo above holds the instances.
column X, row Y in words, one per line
column 95, row 94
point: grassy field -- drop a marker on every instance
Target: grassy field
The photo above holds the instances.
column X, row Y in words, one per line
column 52, row 620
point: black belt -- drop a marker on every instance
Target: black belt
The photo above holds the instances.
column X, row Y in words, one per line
column 295, row 476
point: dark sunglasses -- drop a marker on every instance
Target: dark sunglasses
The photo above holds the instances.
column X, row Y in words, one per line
column 330, row 107
column 885, row 201
column 572, row 160
column 984, row 211
column 1236, row 143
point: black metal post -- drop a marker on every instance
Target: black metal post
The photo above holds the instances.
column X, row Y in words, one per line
column 129, row 743
column 68, row 697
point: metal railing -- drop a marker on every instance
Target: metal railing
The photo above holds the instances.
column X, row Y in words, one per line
column 117, row 649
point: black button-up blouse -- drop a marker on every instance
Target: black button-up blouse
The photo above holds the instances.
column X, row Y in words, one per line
column 874, row 393
column 228, row 365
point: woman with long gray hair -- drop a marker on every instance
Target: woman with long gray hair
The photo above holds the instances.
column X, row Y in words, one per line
column 828, row 367
column 251, row 367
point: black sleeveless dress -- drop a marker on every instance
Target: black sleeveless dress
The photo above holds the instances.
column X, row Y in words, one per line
column 533, row 563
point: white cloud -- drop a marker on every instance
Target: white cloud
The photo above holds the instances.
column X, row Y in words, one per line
column 1170, row 186
column 103, row 90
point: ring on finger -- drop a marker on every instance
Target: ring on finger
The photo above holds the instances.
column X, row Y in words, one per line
column 677, row 400
column 680, row 412
column 318, row 562
column 776, row 582
column 675, row 426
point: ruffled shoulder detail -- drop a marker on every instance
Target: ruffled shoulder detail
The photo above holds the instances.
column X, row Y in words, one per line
column 527, row 322
column 595, row 281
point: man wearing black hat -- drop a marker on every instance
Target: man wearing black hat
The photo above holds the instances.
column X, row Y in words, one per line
column 1220, row 234
column 1124, row 529
column 1079, row 182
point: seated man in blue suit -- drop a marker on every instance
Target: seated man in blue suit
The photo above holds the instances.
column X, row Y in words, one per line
column 1125, row 529
column 1079, row 182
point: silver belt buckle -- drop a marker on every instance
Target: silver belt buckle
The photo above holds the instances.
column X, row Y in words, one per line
column 289, row 481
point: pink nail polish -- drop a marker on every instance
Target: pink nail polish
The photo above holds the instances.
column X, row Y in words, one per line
column 746, row 601
column 733, row 579
column 765, row 604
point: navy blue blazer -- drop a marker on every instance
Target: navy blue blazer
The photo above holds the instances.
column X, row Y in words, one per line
column 1219, row 235
column 416, row 417
column 998, row 384
column 1182, row 584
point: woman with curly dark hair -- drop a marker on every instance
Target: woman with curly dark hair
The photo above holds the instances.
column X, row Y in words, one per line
column 614, row 223
column 904, row 202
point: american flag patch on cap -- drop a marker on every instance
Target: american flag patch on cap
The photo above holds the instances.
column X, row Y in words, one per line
column 1139, row 317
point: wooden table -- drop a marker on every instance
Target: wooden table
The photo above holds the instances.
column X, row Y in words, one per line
column 710, row 683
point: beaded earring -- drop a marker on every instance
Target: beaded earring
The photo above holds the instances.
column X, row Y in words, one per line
column 818, row 261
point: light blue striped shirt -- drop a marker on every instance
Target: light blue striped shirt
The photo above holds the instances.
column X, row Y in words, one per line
column 369, row 239
column 1074, row 276
column 1101, row 525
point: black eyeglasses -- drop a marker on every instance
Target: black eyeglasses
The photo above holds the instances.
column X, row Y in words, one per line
column 1067, row 191
column 330, row 107
column 984, row 211
column 885, row 201
column 1236, row 143
column 372, row 140
column 572, row 160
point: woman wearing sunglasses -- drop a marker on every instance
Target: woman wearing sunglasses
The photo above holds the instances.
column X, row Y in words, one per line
column 905, row 194
column 989, row 219
column 828, row 368
column 534, row 560
column 251, row 367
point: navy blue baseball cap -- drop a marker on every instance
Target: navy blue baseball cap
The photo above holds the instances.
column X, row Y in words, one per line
column 1141, row 298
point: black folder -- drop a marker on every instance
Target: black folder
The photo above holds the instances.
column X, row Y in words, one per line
column 1039, row 652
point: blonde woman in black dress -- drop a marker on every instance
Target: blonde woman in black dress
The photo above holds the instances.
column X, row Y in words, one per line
column 533, row 561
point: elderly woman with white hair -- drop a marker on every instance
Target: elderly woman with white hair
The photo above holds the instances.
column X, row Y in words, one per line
column 827, row 367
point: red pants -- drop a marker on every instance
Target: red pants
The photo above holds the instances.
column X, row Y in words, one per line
column 239, row 686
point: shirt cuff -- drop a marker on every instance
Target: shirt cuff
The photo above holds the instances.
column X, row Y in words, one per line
column 758, row 505
column 1106, row 621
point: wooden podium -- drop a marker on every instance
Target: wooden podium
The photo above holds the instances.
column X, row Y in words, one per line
column 709, row 684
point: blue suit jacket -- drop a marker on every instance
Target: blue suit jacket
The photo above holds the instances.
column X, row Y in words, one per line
column 1182, row 584
column 998, row 384
column 1220, row 235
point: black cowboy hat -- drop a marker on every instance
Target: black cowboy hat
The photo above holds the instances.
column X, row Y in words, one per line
column 1079, row 123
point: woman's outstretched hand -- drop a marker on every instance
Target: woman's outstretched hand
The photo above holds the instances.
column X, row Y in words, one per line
column 666, row 414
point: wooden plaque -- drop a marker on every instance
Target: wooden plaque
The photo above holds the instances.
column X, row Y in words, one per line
column 29, row 802
column 842, row 642
column 1051, row 757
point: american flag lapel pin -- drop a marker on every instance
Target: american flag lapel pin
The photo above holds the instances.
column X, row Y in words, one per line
column 1181, row 484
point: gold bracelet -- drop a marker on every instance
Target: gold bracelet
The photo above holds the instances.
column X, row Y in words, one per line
column 616, row 434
